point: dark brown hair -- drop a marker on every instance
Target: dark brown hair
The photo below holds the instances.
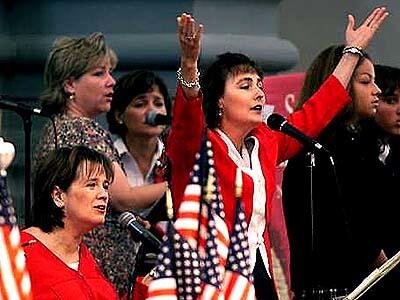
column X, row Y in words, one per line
column 213, row 82
column 59, row 169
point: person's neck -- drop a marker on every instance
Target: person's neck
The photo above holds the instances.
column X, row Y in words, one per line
column 76, row 111
column 235, row 134
column 142, row 150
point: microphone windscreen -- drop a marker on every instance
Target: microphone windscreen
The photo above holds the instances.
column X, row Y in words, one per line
column 150, row 118
column 275, row 121
column 125, row 218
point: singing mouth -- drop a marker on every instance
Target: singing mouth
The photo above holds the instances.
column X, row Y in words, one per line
column 109, row 96
column 257, row 107
column 100, row 207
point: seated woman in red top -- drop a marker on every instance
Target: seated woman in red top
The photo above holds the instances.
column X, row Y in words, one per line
column 71, row 196
column 232, row 97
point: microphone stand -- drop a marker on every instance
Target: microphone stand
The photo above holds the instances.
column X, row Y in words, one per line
column 134, row 273
column 311, row 166
column 27, row 121
column 374, row 277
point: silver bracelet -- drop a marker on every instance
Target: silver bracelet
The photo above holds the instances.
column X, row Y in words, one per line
column 188, row 84
column 354, row 50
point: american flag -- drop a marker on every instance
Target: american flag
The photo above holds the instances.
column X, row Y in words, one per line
column 237, row 283
column 215, row 235
column 178, row 271
column 212, row 210
column 14, row 278
column 212, row 270
column 202, row 236
column 237, row 278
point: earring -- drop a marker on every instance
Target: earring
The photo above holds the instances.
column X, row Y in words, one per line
column 72, row 97
column 58, row 201
column 120, row 122
column 220, row 112
column 57, row 197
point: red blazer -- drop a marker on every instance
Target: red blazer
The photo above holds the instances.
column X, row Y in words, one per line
column 52, row 279
column 188, row 127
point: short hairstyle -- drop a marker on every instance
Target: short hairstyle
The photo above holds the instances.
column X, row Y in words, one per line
column 71, row 57
column 128, row 87
column 388, row 79
column 213, row 82
column 320, row 69
column 60, row 168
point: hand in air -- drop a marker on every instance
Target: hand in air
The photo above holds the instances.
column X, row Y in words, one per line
column 189, row 35
column 361, row 36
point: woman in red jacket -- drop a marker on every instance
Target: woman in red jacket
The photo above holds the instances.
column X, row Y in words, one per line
column 71, row 196
column 232, row 97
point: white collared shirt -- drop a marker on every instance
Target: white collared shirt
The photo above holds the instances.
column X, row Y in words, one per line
column 133, row 173
column 249, row 163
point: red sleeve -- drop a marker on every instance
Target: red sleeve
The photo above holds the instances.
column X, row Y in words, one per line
column 184, row 141
column 316, row 114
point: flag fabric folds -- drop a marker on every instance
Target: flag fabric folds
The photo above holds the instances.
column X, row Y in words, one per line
column 14, row 278
column 178, row 272
column 238, row 279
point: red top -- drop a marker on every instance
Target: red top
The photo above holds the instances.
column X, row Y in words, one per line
column 51, row 278
column 274, row 147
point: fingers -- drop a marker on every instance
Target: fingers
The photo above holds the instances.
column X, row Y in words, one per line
column 371, row 17
column 199, row 32
column 362, row 35
column 188, row 30
column 351, row 22
column 378, row 19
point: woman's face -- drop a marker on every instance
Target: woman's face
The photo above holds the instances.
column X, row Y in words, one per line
column 93, row 90
column 388, row 113
column 135, row 113
column 365, row 91
column 85, row 201
column 242, row 101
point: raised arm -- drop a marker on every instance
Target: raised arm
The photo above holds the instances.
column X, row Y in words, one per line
column 318, row 111
column 357, row 39
column 189, row 36
column 188, row 121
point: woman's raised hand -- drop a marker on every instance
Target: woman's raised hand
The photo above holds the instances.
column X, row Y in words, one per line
column 189, row 36
column 361, row 36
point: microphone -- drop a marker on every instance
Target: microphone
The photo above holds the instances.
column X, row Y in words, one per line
column 279, row 123
column 22, row 108
column 154, row 118
column 129, row 221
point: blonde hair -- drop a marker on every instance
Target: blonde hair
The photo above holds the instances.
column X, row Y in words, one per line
column 71, row 58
